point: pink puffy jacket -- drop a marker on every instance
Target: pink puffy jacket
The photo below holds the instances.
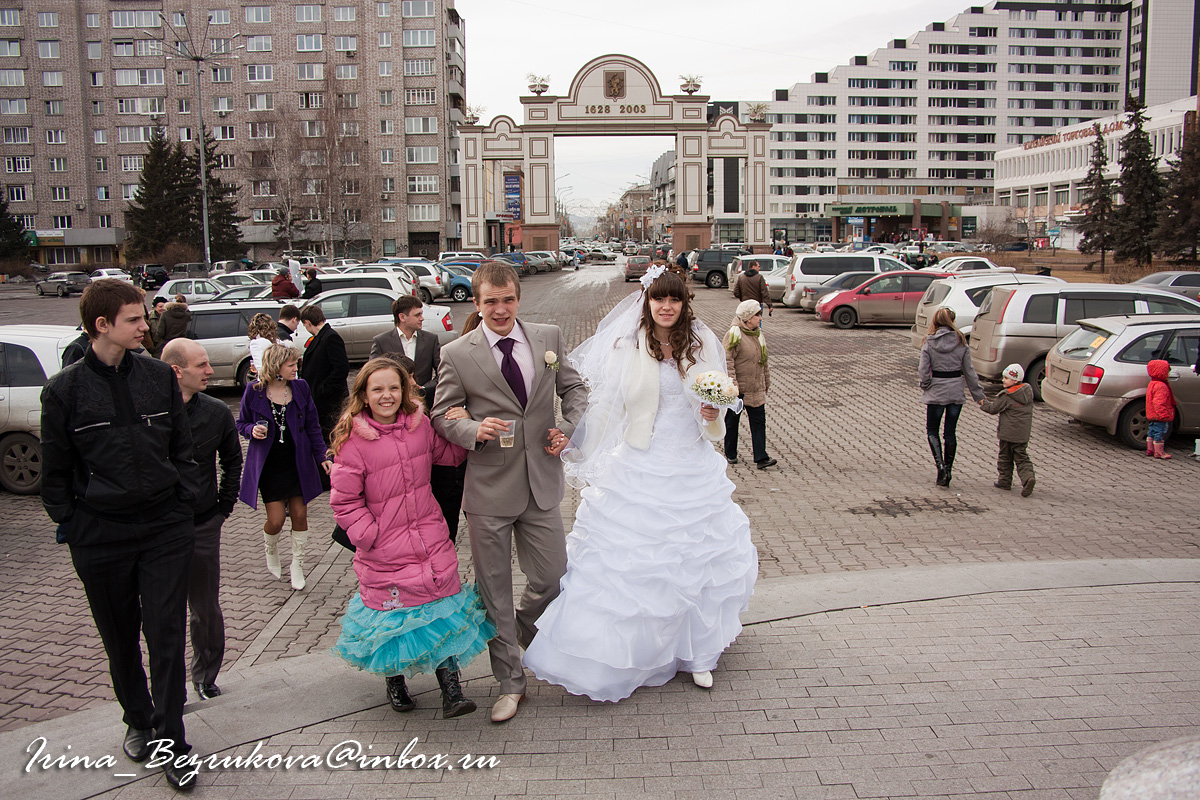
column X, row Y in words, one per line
column 381, row 496
column 1160, row 400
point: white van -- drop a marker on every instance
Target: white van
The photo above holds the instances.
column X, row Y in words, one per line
column 810, row 269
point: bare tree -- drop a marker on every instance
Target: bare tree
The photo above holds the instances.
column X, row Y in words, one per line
column 278, row 172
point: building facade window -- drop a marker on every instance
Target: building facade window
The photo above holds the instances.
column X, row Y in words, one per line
column 258, row 14
column 421, row 37
column 420, row 97
column 420, row 155
column 424, row 213
column 422, row 184
column 418, row 8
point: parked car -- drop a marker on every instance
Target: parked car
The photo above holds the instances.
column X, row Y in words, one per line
column 255, row 275
column 359, row 315
column 458, row 282
column 516, row 260
column 1020, row 324
column 29, row 356
column 62, row 283
column 711, row 267
column 458, row 255
column 600, row 254
column 974, row 264
column 636, row 266
column 847, row 280
column 1012, row 247
column 544, row 260
column 394, row 278
column 963, row 293
column 1097, row 373
column 109, row 272
column 345, row 262
column 766, row 264
column 190, row 269
column 1184, row 282
column 429, row 278
column 231, row 279
column 811, row 269
column 254, row 291
column 194, row 290
column 149, row 276
column 887, row 299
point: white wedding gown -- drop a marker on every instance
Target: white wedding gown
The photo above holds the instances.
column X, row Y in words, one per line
column 659, row 565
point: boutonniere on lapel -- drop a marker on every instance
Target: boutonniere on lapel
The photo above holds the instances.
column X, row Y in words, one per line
column 552, row 360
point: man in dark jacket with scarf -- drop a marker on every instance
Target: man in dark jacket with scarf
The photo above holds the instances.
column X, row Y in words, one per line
column 213, row 435
column 751, row 285
column 119, row 479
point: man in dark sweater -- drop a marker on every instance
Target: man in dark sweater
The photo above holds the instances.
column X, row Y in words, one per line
column 213, row 435
column 119, row 479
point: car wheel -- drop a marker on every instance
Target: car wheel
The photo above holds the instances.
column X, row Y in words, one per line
column 243, row 373
column 715, row 280
column 41, row 292
column 425, row 296
column 62, row 291
column 845, row 318
column 1036, row 374
column 1132, row 425
column 21, row 463
column 533, row 270
column 460, row 294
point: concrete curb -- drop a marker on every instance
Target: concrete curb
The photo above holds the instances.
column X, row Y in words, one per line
column 292, row 693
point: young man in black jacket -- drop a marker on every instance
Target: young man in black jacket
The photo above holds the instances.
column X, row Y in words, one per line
column 119, row 479
column 213, row 435
column 325, row 367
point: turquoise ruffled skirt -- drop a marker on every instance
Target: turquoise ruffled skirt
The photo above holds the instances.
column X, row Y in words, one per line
column 412, row 641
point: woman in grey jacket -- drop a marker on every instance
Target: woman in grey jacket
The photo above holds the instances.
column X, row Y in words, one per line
column 945, row 367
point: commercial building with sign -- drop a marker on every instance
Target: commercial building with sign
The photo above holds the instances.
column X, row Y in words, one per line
column 919, row 121
column 1038, row 183
column 83, row 83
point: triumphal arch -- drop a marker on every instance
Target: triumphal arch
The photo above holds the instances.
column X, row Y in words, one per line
column 613, row 95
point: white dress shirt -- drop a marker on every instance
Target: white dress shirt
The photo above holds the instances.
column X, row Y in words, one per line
column 408, row 343
column 521, row 352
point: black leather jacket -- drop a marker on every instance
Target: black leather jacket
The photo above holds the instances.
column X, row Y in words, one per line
column 116, row 444
column 213, row 435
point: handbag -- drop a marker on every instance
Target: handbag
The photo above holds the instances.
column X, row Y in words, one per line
column 339, row 535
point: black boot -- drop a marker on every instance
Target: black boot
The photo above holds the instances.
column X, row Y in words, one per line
column 935, row 445
column 397, row 694
column 948, row 458
column 453, row 702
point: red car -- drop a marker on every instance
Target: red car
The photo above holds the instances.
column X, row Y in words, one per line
column 890, row 298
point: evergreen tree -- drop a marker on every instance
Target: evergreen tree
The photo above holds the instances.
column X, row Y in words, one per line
column 12, row 234
column 1141, row 188
column 157, row 215
column 1097, row 195
column 224, row 235
column 1178, row 234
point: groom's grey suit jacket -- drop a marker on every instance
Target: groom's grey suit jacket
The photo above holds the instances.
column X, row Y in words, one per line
column 499, row 480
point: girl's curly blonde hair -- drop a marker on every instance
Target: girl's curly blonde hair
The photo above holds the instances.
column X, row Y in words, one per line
column 261, row 325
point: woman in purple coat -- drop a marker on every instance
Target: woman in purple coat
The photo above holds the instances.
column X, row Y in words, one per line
column 280, row 420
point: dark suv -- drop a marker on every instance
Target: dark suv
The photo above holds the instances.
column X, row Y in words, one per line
column 150, row 276
column 709, row 267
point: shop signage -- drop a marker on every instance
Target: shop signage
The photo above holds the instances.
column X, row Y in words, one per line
column 512, row 194
column 1070, row 136
column 870, row 211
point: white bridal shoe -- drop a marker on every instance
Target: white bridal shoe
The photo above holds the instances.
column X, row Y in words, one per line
column 702, row 679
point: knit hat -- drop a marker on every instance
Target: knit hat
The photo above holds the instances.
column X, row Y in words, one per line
column 1014, row 372
column 747, row 309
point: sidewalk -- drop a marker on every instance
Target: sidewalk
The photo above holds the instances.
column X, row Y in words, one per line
column 996, row 681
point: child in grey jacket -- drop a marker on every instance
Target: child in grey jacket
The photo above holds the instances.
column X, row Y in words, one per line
column 1014, row 406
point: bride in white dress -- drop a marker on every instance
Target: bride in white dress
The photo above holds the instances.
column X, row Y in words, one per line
column 659, row 563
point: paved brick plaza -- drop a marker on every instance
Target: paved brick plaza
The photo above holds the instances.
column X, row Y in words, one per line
column 1005, row 694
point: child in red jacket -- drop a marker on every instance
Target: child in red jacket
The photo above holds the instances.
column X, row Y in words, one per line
column 1160, row 408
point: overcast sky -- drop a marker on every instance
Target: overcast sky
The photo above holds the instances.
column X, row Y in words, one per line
column 742, row 49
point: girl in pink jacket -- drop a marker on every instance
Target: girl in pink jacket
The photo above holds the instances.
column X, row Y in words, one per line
column 411, row 614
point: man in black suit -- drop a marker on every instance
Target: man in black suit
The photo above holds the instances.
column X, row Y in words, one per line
column 325, row 367
column 407, row 339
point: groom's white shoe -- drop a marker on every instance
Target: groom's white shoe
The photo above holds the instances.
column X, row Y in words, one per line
column 702, row 679
column 506, row 707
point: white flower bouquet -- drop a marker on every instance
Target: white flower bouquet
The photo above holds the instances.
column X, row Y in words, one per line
column 716, row 389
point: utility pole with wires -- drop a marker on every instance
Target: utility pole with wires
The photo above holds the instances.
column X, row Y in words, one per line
column 186, row 47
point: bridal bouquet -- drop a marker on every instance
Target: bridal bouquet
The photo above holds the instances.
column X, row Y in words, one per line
column 716, row 389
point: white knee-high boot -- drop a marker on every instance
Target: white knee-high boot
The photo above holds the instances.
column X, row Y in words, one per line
column 272, row 545
column 299, row 542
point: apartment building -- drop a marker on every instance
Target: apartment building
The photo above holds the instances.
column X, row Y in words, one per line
column 344, row 111
column 904, row 139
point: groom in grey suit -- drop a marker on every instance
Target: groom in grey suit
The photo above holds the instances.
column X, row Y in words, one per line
column 502, row 371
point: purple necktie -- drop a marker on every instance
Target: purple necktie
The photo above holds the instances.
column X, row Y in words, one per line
column 510, row 370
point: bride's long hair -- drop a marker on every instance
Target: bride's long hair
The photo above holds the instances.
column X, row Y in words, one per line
column 682, row 337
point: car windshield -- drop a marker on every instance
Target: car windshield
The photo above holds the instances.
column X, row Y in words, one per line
column 1079, row 345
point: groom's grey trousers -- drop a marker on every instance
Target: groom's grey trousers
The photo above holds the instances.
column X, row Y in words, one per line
column 542, row 555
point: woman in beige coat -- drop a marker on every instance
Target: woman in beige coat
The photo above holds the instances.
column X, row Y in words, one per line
column 746, row 353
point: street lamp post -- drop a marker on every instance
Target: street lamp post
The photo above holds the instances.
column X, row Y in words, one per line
column 189, row 50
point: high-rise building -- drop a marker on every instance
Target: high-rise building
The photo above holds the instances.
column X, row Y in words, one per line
column 903, row 140
column 344, row 111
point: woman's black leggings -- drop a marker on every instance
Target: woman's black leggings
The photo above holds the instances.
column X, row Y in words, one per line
column 933, row 418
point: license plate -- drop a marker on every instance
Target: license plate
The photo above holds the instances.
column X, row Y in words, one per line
column 1059, row 375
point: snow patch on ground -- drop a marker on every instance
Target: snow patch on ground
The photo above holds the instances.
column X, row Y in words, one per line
column 594, row 275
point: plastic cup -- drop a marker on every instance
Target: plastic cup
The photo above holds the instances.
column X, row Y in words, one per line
column 509, row 438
